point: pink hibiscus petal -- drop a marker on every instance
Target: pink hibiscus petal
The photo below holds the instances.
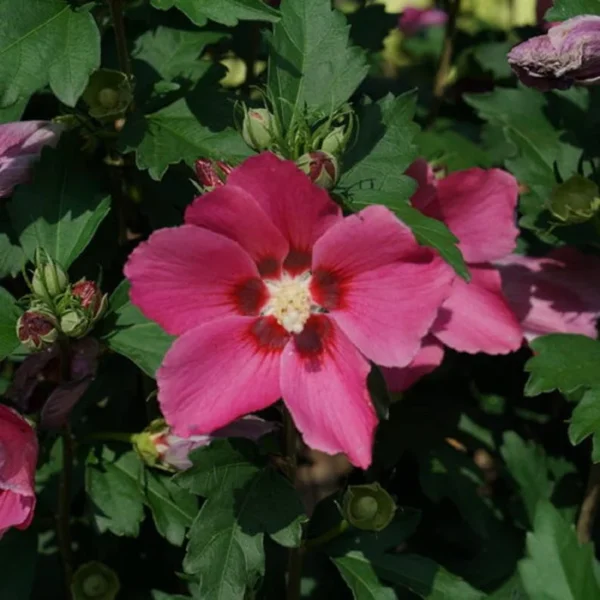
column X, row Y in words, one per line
column 187, row 276
column 379, row 285
column 300, row 210
column 477, row 317
column 556, row 294
column 478, row 206
column 16, row 510
column 420, row 170
column 232, row 212
column 323, row 380
column 220, row 371
column 429, row 358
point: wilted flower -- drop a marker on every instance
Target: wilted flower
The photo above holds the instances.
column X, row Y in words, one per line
column 569, row 53
column 20, row 146
column 158, row 446
column 259, row 128
column 36, row 329
column 18, row 458
column 292, row 301
column 321, row 167
column 412, row 20
column 478, row 206
column 212, row 174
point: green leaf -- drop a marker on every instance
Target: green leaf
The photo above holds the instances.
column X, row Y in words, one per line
column 312, row 65
column 175, row 134
column 9, row 313
column 564, row 362
column 227, row 12
column 557, row 567
column 224, row 464
column 527, row 464
column 46, row 41
column 585, row 421
column 174, row 53
column 361, row 578
column 127, row 332
column 18, row 557
column 565, row 9
column 158, row 595
column 61, row 209
column 13, row 112
column 112, row 483
column 375, row 172
column 173, row 508
column 12, row 258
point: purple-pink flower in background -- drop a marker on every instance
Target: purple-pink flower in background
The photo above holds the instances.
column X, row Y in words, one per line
column 274, row 294
column 20, row 146
column 478, row 206
column 569, row 53
column 412, row 20
column 18, row 458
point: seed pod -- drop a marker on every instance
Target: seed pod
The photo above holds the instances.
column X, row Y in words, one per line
column 368, row 507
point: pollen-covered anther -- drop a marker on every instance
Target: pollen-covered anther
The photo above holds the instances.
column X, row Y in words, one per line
column 291, row 302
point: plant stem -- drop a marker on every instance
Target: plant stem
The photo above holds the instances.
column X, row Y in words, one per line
column 441, row 77
column 63, row 531
column 329, row 535
column 294, row 571
column 116, row 13
column 589, row 506
column 107, row 436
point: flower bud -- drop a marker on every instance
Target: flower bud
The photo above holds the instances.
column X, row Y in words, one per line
column 575, row 201
column 212, row 174
column 95, row 581
column 75, row 323
column 258, row 128
column 412, row 20
column 48, row 280
column 91, row 298
column 335, row 141
column 36, row 329
column 569, row 53
column 368, row 507
column 321, row 167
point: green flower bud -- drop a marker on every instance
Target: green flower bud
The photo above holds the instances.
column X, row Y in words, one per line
column 575, row 201
column 75, row 323
column 95, row 581
column 321, row 167
column 36, row 329
column 108, row 94
column 48, row 280
column 335, row 141
column 368, row 507
column 259, row 128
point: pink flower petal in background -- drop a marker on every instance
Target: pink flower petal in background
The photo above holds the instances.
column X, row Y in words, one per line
column 18, row 458
column 229, row 211
column 218, row 372
column 478, row 206
column 422, row 172
column 556, row 294
column 477, row 317
column 379, row 285
column 186, row 276
column 429, row 358
column 298, row 208
column 323, row 380
column 20, row 146
column 412, row 20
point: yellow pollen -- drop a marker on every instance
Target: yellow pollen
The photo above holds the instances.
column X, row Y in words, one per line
column 290, row 302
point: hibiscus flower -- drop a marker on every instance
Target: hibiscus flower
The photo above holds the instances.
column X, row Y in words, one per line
column 274, row 294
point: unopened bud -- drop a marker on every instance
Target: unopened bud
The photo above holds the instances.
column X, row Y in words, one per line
column 75, row 323
column 368, row 507
column 95, row 581
column 36, row 330
column 212, row 174
column 575, row 201
column 259, row 128
column 321, row 167
column 90, row 297
column 48, row 280
column 569, row 53
column 335, row 141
